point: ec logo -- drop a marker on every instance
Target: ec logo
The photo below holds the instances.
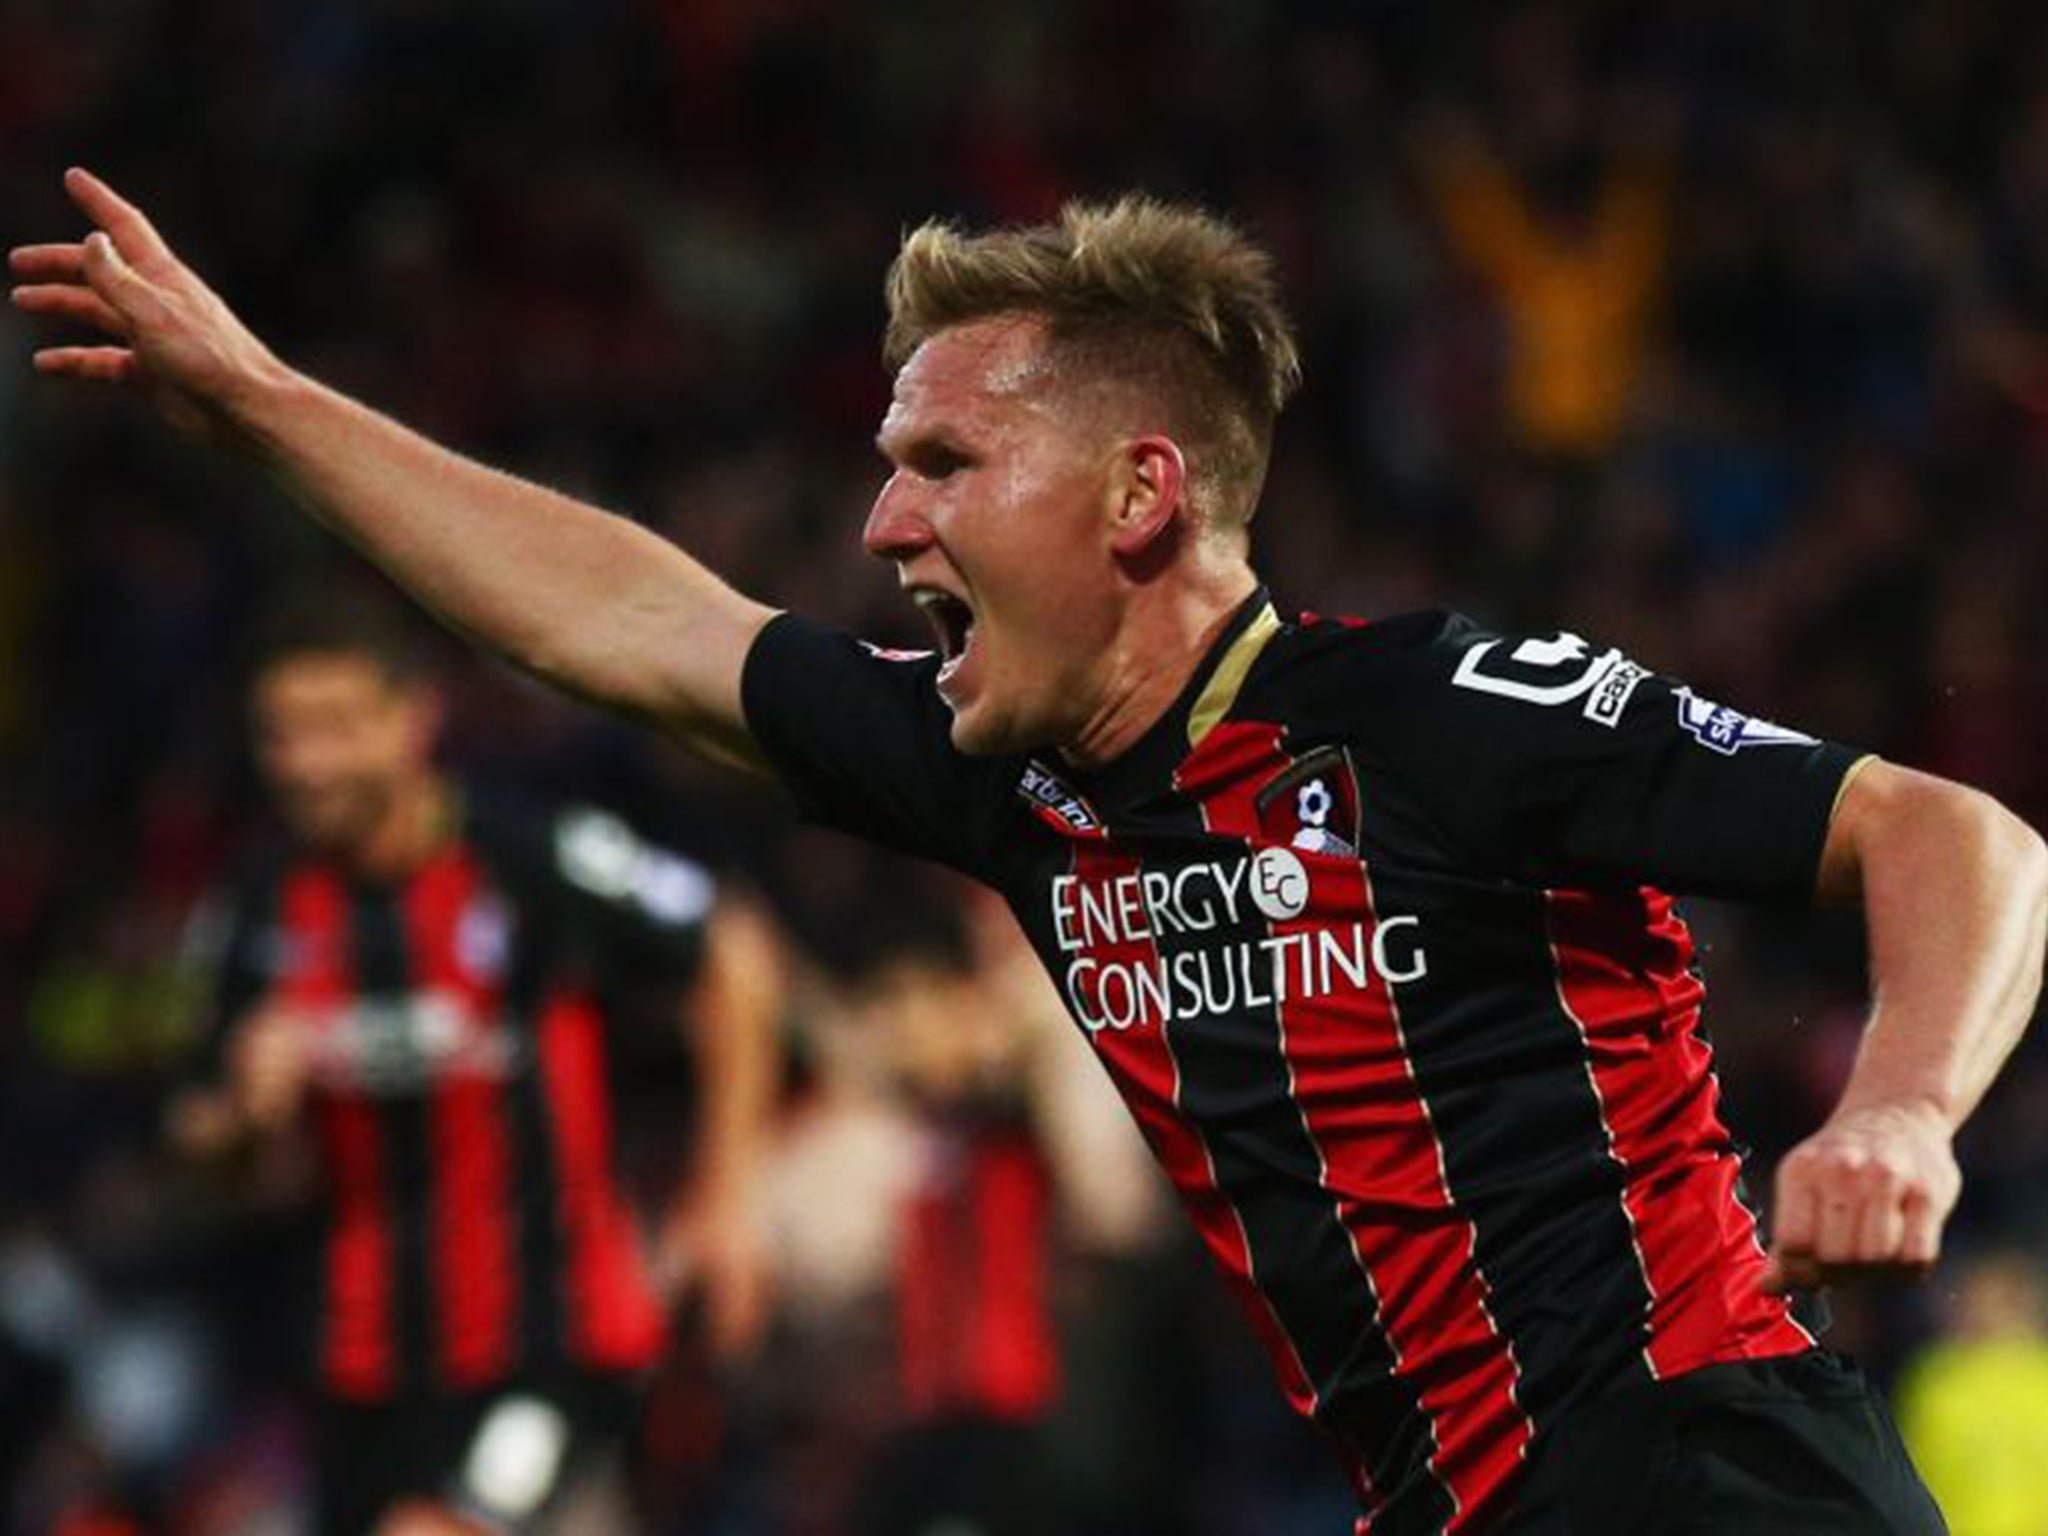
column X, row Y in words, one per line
column 1279, row 883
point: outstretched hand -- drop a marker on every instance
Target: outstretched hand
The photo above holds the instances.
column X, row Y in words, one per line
column 1865, row 1197
column 167, row 334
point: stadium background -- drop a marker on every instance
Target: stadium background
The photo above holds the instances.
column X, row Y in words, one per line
column 1718, row 331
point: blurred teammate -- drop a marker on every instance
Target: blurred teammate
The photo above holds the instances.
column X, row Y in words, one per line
column 1367, row 921
column 416, row 984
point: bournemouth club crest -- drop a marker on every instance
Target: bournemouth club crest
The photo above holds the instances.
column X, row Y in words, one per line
column 1313, row 806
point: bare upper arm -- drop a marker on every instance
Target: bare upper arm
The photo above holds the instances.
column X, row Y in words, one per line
column 1881, row 802
column 702, row 706
column 671, row 651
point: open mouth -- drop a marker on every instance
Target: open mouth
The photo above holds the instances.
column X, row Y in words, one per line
column 952, row 622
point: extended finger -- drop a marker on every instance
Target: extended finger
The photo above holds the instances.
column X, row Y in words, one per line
column 48, row 261
column 67, row 301
column 121, row 219
column 107, row 270
column 113, row 365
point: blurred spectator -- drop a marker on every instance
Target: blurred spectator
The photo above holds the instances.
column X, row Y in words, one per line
column 1573, row 253
column 960, row 1187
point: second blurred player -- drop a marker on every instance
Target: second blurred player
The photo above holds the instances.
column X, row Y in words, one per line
column 412, row 990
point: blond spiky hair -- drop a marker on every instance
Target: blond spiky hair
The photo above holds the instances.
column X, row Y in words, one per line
column 1160, row 297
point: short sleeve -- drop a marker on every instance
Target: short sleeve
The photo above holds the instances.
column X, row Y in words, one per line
column 862, row 739
column 626, row 897
column 1553, row 759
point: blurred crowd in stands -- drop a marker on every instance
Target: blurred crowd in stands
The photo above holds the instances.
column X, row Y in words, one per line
column 1718, row 331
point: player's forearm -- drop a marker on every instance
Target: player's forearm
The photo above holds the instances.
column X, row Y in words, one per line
column 580, row 597
column 735, row 1039
column 1955, row 893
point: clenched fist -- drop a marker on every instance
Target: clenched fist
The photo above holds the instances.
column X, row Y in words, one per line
column 1864, row 1197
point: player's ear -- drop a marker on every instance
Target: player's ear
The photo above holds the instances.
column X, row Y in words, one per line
column 1147, row 493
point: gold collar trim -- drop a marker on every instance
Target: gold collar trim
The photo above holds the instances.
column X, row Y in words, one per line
column 1220, row 692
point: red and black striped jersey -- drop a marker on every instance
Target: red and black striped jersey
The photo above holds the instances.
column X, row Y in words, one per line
column 1371, row 930
column 973, row 1309
column 473, row 1224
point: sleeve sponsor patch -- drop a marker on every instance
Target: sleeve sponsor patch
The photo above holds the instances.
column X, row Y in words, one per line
column 1554, row 673
column 600, row 854
column 1728, row 731
column 1612, row 690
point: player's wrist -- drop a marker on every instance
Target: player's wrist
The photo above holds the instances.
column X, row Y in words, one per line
column 1915, row 1121
column 1923, row 1113
column 264, row 399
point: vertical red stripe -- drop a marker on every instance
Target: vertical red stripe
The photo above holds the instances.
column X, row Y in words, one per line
column 1381, row 1162
column 1013, row 1355
column 974, row 1328
column 358, row 1355
column 614, row 1320
column 470, row 1213
column 1140, row 1062
column 1623, row 974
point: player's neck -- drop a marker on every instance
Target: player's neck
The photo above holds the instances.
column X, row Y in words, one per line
column 411, row 830
column 1162, row 643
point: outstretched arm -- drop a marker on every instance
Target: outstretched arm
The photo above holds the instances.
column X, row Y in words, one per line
column 1955, row 893
column 584, row 599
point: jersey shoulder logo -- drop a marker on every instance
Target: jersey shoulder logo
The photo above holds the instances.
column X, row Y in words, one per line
column 1313, row 806
column 1057, row 805
column 1728, row 731
column 1554, row 673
